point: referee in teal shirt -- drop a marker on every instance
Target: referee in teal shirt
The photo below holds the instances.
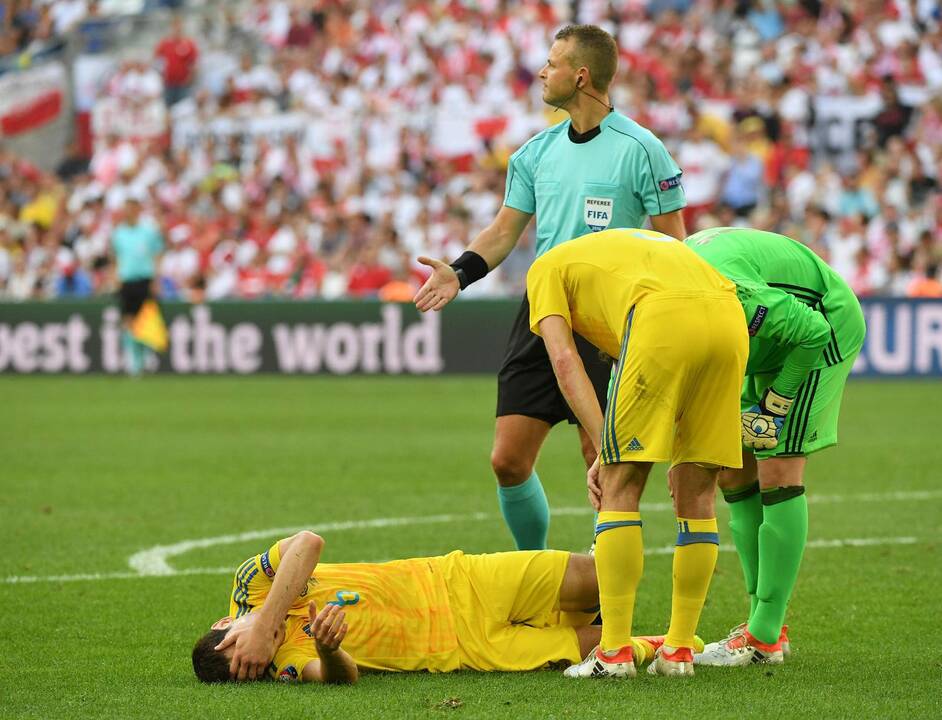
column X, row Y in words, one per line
column 596, row 170
column 137, row 245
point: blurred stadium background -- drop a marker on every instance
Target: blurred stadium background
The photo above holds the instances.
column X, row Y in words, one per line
column 310, row 150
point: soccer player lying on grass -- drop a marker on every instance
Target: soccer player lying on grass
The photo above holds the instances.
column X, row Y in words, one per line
column 678, row 332
column 503, row 611
column 806, row 329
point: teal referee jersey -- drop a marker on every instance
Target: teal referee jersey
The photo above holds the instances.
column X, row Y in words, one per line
column 575, row 186
column 136, row 248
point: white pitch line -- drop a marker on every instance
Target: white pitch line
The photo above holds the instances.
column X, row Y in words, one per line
column 153, row 562
column 812, row 545
column 29, row 579
column 664, row 550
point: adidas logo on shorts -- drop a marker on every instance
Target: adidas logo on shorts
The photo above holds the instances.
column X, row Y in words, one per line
column 635, row 445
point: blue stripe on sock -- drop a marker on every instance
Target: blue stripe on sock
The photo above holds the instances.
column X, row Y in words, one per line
column 602, row 527
column 693, row 538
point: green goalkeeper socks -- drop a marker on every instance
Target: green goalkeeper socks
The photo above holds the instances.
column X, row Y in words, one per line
column 526, row 512
column 782, row 539
column 745, row 517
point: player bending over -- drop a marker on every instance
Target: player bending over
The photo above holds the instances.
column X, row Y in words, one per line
column 805, row 328
column 503, row 611
column 677, row 329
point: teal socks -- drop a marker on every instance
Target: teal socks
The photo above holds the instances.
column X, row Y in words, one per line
column 133, row 352
column 526, row 512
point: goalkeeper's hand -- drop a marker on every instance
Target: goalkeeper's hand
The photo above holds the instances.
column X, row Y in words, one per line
column 762, row 423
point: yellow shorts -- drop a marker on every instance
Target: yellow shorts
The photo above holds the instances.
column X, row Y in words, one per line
column 679, row 377
column 506, row 610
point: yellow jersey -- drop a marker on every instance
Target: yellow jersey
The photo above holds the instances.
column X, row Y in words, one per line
column 594, row 281
column 398, row 613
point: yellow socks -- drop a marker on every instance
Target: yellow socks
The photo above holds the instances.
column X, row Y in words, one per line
column 694, row 561
column 619, row 562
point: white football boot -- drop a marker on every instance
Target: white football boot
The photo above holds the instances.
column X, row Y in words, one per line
column 616, row 663
column 739, row 648
column 676, row 662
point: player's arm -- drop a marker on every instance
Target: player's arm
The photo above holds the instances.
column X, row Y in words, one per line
column 773, row 314
column 334, row 665
column 670, row 223
column 485, row 252
column 254, row 646
column 571, row 375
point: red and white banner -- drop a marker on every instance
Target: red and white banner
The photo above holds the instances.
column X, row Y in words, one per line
column 30, row 99
column 132, row 121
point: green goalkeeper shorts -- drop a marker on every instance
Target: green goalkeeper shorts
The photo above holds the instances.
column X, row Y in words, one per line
column 811, row 425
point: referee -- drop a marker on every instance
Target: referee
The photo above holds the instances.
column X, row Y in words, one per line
column 137, row 244
column 598, row 169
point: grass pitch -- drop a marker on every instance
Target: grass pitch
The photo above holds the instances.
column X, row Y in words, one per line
column 95, row 470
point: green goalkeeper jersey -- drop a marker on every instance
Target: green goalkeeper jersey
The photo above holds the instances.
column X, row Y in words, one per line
column 801, row 314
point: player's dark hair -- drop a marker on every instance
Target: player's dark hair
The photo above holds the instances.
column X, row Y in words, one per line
column 595, row 49
column 209, row 664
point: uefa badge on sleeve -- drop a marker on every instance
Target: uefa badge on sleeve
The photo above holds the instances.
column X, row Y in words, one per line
column 598, row 212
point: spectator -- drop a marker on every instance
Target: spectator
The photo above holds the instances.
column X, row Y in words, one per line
column 704, row 165
column 845, row 246
column 894, row 117
column 743, row 187
column 869, row 276
column 94, row 29
column 855, row 199
column 368, row 275
column 67, row 14
column 74, row 164
column 177, row 54
column 23, row 283
column 6, row 257
column 925, row 282
column 71, row 280
column 301, row 31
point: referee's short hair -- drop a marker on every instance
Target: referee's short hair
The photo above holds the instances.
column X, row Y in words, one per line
column 595, row 49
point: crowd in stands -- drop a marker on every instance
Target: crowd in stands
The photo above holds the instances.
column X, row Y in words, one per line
column 314, row 149
column 31, row 28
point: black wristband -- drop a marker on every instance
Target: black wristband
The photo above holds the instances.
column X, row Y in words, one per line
column 470, row 267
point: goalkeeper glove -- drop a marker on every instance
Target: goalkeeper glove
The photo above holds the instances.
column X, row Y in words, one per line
column 762, row 423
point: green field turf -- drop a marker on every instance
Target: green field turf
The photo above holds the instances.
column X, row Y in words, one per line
column 94, row 470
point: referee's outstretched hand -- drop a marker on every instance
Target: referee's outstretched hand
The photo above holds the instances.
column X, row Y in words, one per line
column 441, row 287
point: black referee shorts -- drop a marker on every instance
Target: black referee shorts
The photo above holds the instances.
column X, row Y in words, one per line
column 526, row 384
column 133, row 294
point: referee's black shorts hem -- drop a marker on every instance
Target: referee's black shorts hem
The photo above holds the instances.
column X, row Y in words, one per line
column 526, row 383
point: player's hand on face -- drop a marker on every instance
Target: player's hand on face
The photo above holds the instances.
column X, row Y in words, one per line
column 595, row 489
column 441, row 287
column 253, row 649
column 329, row 626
